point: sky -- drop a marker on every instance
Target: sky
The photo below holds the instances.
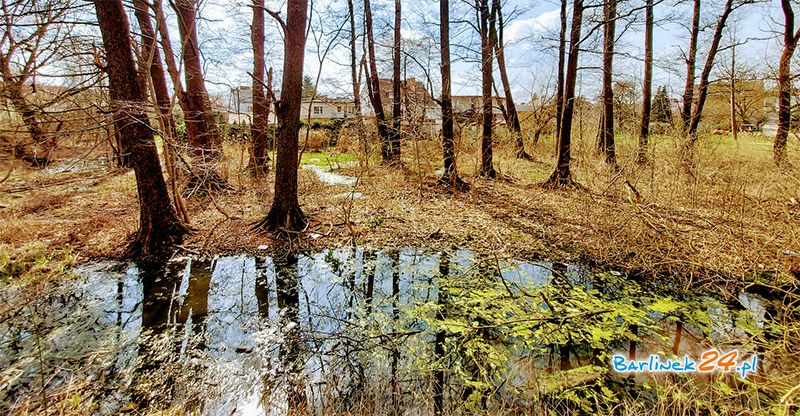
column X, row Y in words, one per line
column 530, row 33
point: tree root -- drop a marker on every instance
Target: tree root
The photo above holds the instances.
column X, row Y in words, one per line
column 292, row 220
column 158, row 242
column 452, row 181
column 488, row 173
column 559, row 181
column 522, row 154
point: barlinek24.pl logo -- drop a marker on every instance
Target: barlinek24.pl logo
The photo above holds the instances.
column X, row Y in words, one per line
column 711, row 360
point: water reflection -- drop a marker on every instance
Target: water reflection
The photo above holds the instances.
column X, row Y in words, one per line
column 374, row 332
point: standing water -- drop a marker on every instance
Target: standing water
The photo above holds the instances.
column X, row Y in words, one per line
column 353, row 331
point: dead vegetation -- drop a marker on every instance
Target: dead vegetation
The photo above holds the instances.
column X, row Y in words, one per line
column 736, row 218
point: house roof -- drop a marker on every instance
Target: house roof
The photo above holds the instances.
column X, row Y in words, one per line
column 414, row 90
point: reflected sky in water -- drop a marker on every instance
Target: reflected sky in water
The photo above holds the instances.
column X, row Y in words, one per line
column 243, row 323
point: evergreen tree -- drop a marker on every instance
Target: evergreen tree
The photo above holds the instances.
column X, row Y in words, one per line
column 662, row 108
column 308, row 87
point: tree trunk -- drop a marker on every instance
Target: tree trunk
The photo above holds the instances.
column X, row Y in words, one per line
column 37, row 152
column 356, row 81
column 169, row 58
column 707, row 68
column 15, row 92
column 606, row 136
column 562, row 51
column 790, row 38
column 259, row 158
column 206, row 141
column 450, row 175
column 487, row 44
column 397, row 108
column 512, row 118
column 157, row 78
column 285, row 212
column 687, row 151
column 562, row 176
column 159, row 225
column 375, row 89
column 734, row 125
column 152, row 58
column 647, row 90
column 691, row 58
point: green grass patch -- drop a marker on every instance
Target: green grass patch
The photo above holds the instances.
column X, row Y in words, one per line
column 326, row 158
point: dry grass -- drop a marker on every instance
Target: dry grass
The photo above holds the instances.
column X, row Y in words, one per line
column 735, row 218
column 731, row 222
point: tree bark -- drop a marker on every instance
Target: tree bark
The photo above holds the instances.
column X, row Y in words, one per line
column 206, row 141
column 375, row 89
column 169, row 58
column 14, row 90
column 562, row 176
column 151, row 61
column 159, row 225
column 706, row 73
column 511, row 109
column 397, row 108
column 734, row 124
column 606, row 136
column 562, row 51
column 450, row 175
column 487, row 44
column 356, row 81
column 790, row 39
column 647, row 90
column 691, row 59
column 285, row 212
column 259, row 133
column 27, row 53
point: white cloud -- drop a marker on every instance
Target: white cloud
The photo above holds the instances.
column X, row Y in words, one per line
column 523, row 28
column 412, row 34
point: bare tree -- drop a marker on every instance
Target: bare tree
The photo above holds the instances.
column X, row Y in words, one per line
column 605, row 141
column 397, row 108
column 732, row 78
column 697, row 109
column 746, row 90
column 487, row 29
column 374, row 88
column 153, row 69
column 562, row 175
column 34, row 35
column 159, row 225
column 259, row 159
column 790, row 39
column 562, row 51
column 511, row 108
column 169, row 60
column 354, row 73
column 691, row 58
column 450, row 174
column 285, row 212
column 647, row 89
column 206, row 140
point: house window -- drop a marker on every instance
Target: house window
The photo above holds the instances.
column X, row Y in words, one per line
column 338, row 109
column 317, row 110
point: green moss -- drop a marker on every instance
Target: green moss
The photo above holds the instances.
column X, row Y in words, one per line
column 34, row 261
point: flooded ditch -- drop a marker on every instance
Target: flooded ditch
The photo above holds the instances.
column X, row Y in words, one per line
column 354, row 331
